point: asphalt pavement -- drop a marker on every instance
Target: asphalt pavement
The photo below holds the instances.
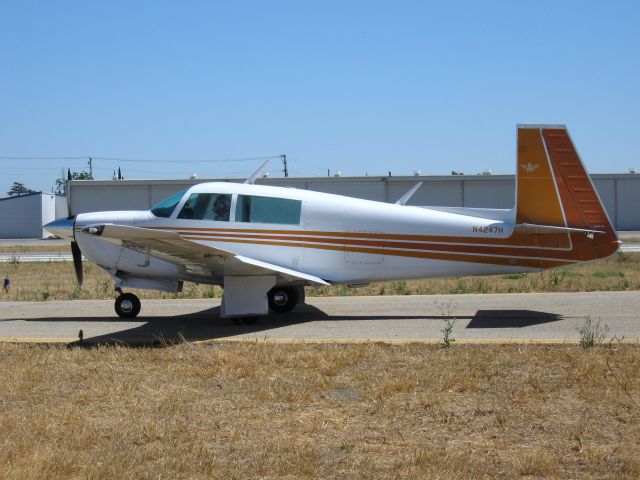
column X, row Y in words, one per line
column 538, row 317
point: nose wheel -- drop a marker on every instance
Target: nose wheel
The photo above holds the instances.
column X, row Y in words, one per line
column 127, row 305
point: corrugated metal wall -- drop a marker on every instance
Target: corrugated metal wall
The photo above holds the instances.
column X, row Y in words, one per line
column 620, row 193
column 21, row 217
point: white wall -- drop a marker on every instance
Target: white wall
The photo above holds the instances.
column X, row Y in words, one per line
column 24, row 216
column 48, row 212
column 20, row 217
column 62, row 208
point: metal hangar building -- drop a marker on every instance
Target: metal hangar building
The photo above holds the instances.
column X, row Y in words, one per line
column 620, row 193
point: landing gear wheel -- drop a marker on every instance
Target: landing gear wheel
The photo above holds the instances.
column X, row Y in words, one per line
column 283, row 299
column 127, row 305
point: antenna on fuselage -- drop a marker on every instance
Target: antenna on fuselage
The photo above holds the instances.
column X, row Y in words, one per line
column 252, row 178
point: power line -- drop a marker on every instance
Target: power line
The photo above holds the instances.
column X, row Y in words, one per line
column 223, row 160
column 43, row 158
column 143, row 160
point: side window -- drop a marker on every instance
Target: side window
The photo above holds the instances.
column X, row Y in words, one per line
column 268, row 210
column 207, row 206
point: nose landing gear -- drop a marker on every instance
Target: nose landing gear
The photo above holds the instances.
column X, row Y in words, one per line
column 127, row 305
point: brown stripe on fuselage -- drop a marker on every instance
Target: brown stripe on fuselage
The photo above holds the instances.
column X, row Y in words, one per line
column 489, row 260
column 503, row 250
column 528, row 240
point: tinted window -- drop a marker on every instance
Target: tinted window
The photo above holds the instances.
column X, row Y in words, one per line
column 268, row 210
column 207, row 206
column 165, row 208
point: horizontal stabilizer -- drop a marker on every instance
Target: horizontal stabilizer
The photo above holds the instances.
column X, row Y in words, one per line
column 533, row 228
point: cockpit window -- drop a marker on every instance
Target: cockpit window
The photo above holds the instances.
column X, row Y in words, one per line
column 165, row 208
column 268, row 210
column 207, row 206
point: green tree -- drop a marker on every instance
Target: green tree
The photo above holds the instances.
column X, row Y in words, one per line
column 61, row 182
column 19, row 189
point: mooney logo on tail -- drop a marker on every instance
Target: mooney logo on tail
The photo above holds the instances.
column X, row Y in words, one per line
column 529, row 167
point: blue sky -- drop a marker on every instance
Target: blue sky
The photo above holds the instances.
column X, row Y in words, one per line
column 356, row 86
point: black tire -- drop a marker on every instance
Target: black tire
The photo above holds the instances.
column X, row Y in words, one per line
column 127, row 305
column 301, row 296
column 283, row 299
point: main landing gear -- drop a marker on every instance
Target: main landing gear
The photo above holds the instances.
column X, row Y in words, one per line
column 127, row 305
column 281, row 300
column 284, row 299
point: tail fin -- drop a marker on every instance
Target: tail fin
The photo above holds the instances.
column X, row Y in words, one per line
column 556, row 197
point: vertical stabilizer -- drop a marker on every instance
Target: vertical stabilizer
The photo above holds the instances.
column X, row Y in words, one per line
column 554, row 190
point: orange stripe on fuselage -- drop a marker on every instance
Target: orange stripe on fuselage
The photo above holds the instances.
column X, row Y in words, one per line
column 502, row 250
column 489, row 260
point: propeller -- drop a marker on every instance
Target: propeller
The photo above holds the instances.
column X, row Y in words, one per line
column 77, row 260
column 65, row 228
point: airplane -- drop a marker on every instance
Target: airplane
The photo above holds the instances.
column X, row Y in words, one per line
column 264, row 244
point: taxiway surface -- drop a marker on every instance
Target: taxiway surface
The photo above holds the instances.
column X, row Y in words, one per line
column 479, row 318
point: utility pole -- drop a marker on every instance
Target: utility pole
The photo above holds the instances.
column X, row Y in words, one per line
column 91, row 168
column 284, row 165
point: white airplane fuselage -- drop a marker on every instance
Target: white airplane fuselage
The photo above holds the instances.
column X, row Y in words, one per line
column 339, row 239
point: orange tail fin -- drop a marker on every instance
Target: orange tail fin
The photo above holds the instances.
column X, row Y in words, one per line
column 555, row 197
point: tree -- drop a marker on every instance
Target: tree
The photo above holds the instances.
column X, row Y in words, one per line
column 61, row 182
column 19, row 189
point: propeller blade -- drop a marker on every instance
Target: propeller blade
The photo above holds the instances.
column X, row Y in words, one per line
column 77, row 261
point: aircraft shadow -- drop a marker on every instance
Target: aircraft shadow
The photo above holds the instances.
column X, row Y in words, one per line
column 207, row 324
column 511, row 318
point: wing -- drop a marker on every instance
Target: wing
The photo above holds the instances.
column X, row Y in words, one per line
column 196, row 258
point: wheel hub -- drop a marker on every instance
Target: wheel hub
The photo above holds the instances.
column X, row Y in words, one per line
column 126, row 306
column 280, row 298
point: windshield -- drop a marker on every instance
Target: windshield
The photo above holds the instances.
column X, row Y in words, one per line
column 165, row 208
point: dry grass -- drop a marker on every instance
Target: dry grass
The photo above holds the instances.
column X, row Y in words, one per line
column 56, row 281
column 260, row 410
column 629, row 240
column 35, row 249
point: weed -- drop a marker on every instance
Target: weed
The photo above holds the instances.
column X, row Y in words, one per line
column 608, row 273
column 399, row 288
column 480, row 285
column 45, row 295
column 592, row 333
column 460, row 288
column 622, row 257
column 514, row 276
column 447, row 311
column 75, row 291
column 447, row 332
column 347, row 447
